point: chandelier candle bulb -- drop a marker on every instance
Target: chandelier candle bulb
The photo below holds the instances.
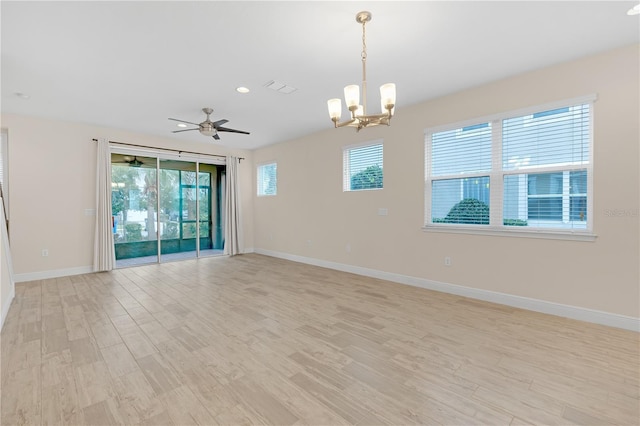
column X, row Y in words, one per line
column 388, row 95
column 384, row 109
column 335, row 108
column 352, row 96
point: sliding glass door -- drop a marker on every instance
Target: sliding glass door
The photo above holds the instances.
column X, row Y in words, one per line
column 178, row 201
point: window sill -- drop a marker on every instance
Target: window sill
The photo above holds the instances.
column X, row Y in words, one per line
column 495, row 232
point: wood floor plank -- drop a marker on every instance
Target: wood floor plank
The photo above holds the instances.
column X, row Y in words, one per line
column 185, row 409
column 138, row 344
column 119, row 360
column 101, row 413
column 93, row 382
column 106, row 335
column 135, row 398
column 62, row 406
column 162, row 419
column 84, row 351
column 21, row 397
column 264, row 405
column 156, row 332
column 54, row 340
column 160, row 375
column 25, row 355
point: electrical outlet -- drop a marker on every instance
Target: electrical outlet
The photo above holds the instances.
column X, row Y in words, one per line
column 309, row 243
column 348, row 248
column 45, row 252
column 447, row 261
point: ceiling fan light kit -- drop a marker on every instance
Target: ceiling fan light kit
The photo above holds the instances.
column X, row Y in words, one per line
column 359, row 117
column 208, row 127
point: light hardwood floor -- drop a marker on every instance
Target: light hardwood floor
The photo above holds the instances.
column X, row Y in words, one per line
column 257, row 340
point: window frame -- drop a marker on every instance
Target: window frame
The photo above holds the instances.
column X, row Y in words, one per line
column 346, row 164
column 4, row 169
column 497, row 175
column 259, row 183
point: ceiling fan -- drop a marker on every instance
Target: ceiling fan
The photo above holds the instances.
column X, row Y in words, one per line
column 132, row 162
column 208, row 127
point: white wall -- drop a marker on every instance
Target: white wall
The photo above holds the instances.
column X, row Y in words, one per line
column 52, row 179
column 602, row 275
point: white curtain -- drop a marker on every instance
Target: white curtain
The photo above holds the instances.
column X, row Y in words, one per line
column 233, row 241
column 104, row 257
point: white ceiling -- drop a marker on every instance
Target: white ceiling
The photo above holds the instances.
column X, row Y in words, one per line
column 131, row 65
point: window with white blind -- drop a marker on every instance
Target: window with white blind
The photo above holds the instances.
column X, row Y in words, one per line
column 460, row 164
column 267, row 179
column 527, row 170
column 362, row 167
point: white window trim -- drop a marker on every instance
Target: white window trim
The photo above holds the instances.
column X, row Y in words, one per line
column 503, row 232
column 495, row 227
column 262, row 164
column 346, row 167
column 167, row 155
column 5, row 170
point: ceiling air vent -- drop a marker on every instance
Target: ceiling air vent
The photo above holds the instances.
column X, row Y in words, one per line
column 280, row 87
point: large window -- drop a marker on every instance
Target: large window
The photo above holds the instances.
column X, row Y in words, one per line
column 267, row 179
column 528, row 170
column 362, row 167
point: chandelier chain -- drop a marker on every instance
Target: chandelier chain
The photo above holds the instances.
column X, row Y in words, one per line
column 364, row 43
column 364, row 69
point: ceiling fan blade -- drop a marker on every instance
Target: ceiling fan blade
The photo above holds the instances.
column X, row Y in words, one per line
column 182, row 121
column 219, row 122
column 216, row 137
column 185, row 130
column 226, row 129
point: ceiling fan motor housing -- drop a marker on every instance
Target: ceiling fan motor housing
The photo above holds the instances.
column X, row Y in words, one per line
column 207, row 128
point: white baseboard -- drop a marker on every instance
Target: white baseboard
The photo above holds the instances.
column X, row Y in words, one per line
column 537, row 305
column 6, row 305
column 43, row 275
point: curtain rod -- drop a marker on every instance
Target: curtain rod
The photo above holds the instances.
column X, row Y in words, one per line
column 168, row 149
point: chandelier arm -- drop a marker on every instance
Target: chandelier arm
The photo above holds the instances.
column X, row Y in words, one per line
column 375, row 116
column 345, row 123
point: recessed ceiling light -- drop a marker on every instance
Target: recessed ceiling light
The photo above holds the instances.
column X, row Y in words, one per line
column 22, row 95
column 242, row 89
column 181, row 125
column 635, row 10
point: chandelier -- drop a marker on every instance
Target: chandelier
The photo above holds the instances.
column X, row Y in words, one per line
column 359, row 118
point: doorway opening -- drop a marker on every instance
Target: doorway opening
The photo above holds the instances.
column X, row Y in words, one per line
column 165, row 209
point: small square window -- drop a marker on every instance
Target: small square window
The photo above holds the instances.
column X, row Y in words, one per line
column 363, row 167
